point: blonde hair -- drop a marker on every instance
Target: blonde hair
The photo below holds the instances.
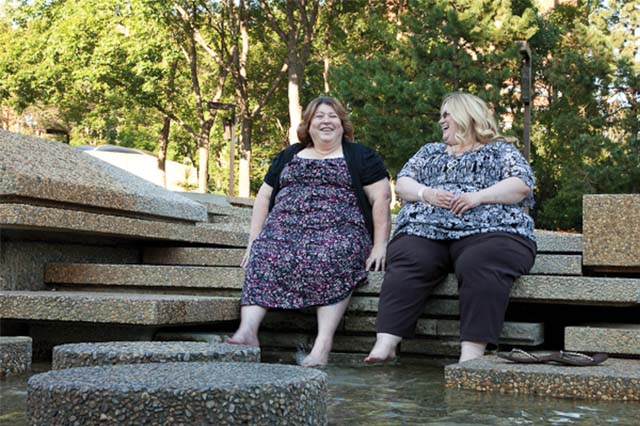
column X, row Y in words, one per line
column 310, row 110
column 475, row 121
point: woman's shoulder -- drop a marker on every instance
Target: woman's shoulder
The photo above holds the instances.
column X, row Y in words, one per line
column 432, row 147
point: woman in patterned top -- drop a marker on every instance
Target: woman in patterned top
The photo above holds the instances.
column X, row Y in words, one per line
column 464, row 212
column 320, row 221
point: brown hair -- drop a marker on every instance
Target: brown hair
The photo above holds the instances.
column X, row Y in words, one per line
column 309, row 112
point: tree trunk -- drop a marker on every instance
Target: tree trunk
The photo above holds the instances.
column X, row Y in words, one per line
column 244, row 172
column 295, row 110
column 162, row 151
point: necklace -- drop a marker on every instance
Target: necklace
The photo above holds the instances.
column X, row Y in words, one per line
column 462, row 148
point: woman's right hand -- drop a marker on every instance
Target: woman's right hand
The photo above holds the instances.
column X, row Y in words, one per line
column 438, row 197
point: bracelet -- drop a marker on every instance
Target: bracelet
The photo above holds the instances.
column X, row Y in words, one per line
column 421, row 194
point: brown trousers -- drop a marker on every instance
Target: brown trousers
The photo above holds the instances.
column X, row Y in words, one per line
column 486, row 265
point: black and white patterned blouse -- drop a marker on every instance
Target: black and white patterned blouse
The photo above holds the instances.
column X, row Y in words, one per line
column 469, row 172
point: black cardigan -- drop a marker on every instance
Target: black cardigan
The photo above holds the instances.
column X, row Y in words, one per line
column 365, row 166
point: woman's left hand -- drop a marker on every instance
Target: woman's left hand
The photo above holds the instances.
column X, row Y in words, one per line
column 377, row 258
column 465, row 201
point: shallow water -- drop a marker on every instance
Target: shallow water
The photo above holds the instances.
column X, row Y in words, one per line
column 408, row 394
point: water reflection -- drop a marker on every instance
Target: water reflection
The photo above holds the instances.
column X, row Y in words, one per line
column 414, row 394
column 409, row 394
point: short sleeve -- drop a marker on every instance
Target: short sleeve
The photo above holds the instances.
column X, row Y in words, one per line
column 513, row 164
column 414, row 166
column 373, row 168
column 278, row 163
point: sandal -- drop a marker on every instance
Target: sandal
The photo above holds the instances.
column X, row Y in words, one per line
column 523, row 357
column 578, row 359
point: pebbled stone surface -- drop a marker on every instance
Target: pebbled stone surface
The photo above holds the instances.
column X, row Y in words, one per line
column 191, row 393
column 116, row 353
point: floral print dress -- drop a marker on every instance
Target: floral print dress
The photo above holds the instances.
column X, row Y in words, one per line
column 314, row 244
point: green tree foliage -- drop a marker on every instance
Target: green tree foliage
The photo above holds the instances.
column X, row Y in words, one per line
column 118, row 71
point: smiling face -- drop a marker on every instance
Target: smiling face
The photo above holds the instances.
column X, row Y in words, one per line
column 449, row 127
column 326, row 126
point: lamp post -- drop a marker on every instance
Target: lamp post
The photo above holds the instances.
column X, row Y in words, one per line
column 229, row 134
column 525, row 93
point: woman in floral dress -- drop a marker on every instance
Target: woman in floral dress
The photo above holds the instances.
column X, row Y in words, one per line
column 320, row 221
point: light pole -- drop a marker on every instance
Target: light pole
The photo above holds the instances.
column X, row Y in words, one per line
column 229, row 133
column 525, row 93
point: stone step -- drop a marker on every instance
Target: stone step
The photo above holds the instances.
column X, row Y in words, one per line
column 514, row 333
column 546, row 264
column 193, row 256
column 179, row 393
column 548, row 289
column 359, row 344
column 620, row 339
column 117, row 353
column 538, row 288
column 614, row 379
column 434, row 306
column 116, row 308
column 15, row 355
column 145, row 275
column 29, row 217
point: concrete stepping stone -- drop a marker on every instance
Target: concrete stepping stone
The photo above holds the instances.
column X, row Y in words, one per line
column 189, row 393
column 614, row 379
column 15, row 355
column 623, row 339
column 115, row 353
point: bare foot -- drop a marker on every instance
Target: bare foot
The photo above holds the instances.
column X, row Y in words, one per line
column 312, row 360
column 243, row 339
column 319, row 355
column 384, row 350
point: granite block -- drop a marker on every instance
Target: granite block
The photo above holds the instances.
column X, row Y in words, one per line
column 38, row 169
column 615, row 379
column 621, row 339
column 116, row 308
column 145, row 275
column 118, row 353
column 611, row 226
column 15, row 355
column 22, row 262
column 546, row 289
column 199, row 256
column 184, row 393
column 23, row 216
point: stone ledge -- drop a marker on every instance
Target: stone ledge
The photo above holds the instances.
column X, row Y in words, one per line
column 434, row 306
column 116, row 308
column 558, row 242
column 39, row 169
column 23, row 216
column 15, row 355
column 622, row 339
column 615, row 379
column 547, row 289
column 513, row 333
column 117, row 353
column 144, row 275
column 193, row 256
column 191, row 393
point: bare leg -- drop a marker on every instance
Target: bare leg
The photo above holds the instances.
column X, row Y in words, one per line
column 328, row 319
column 471, row 350
column 384, row 349
column 250, row 318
